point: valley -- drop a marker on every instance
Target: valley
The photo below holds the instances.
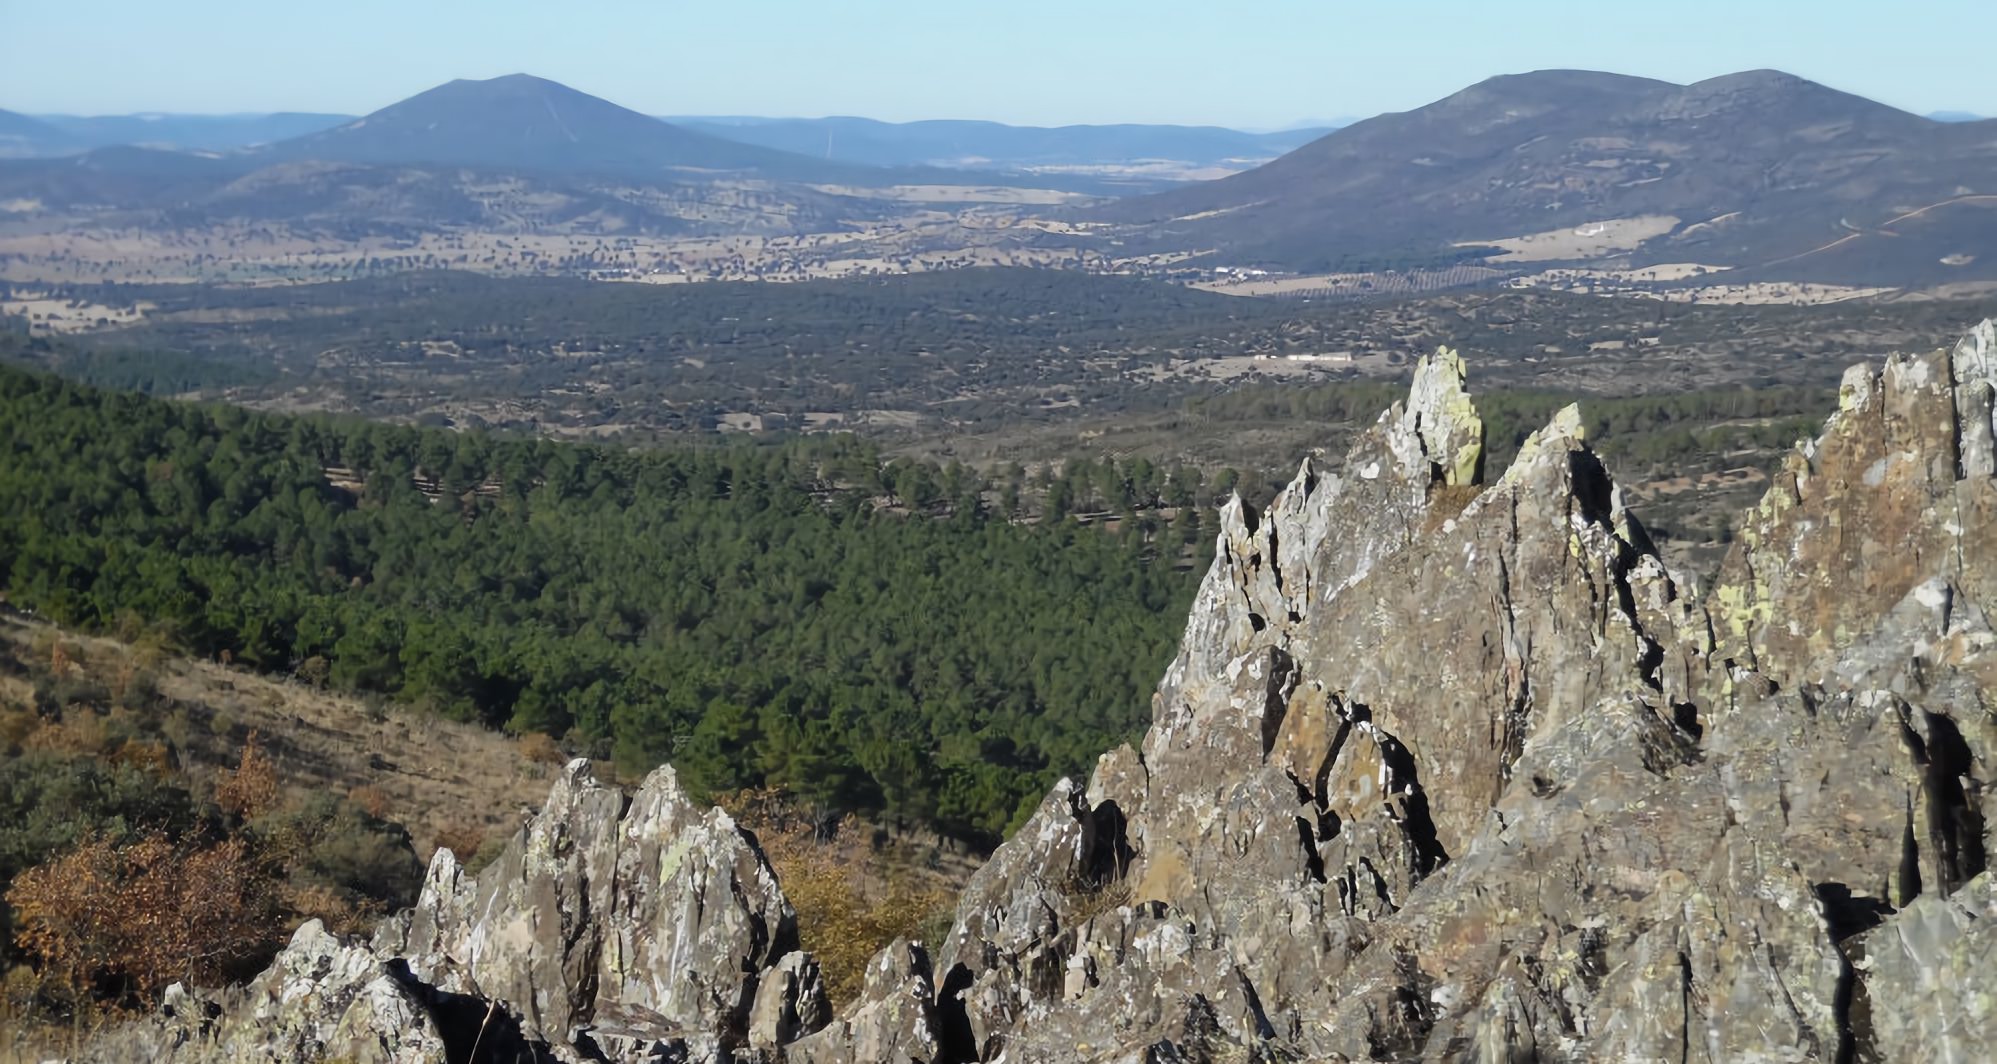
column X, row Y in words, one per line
column 491, row 570
column 1753, row 188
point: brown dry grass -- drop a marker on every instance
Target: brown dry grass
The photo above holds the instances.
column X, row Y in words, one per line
column 428, row 774
column 854, row 891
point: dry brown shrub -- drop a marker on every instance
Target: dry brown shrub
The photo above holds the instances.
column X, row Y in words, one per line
column 63, row 660
column 541, row 749
column 80, row 731
column 340, row 913
column 138, row 917
column 16, row 724
column 252, row 789
column 849, row 904
column 463, row 840
column 372, row 800
column 153, row 757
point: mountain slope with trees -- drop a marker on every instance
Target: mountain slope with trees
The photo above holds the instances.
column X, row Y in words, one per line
column 871, row 636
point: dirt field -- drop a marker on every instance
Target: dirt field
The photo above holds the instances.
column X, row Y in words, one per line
column 1592, row 241
column 55, row 316
column 1638, row 282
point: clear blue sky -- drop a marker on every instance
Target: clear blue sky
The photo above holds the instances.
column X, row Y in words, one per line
column 1028, row 61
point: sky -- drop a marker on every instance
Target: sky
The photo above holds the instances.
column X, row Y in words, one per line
column 1041, row 62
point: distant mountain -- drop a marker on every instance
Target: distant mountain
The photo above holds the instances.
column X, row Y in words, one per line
column 22, row 137
column 114, row 178
column 995, row 145
column 190, row 132
column 521, row 122
column 1954, row 116
column 510, row 154
column 144, row 187
column 1760, row 169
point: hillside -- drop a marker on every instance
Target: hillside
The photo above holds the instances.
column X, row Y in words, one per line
column 1753, row 171
column 183, row 132
column 22, row 137
column 528, row 125
column 1449, row 765
column 467, row 783
column 742, row 610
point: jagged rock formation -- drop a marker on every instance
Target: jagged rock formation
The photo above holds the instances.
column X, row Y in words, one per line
column 1448, row 773
column 1444, row 769
column 613, row 926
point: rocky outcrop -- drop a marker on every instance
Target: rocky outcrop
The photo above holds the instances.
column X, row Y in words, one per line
column 613, row 926
column 1445, row 768
column 1455, row 770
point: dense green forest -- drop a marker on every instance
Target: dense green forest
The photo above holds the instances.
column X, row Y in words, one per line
column 873, row 636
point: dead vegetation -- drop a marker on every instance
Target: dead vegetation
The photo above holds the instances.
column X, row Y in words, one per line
column 856, row 888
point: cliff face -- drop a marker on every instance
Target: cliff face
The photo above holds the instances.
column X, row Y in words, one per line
column 1443, row 770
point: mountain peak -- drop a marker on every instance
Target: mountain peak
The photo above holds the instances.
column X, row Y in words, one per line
column 513, row 81
column 1551, row 88
column 525, row 122
column 1766, row 91
column 1762, row 78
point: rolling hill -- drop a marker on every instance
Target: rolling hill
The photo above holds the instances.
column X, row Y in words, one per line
column 208, row 133
column 1759, row 170
column 22, row 137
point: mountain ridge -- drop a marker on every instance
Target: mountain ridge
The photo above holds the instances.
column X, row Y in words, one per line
column 1781, row 158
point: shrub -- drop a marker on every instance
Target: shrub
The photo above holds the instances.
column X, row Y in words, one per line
column 124, row 920
column 541, row 749
column 371, row 799
column 251, row 790
column 177, row 729
column 488, row 852
column 463, row 840
column 336, row 845
column 16, row 724
column 49, row 801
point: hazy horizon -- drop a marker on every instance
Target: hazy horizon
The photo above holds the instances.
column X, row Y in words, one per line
column 1041, row 64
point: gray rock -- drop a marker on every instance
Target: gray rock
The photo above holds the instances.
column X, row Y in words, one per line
column 1926, row 986
column 611, row 927
column 894, row 1021
column 790, row 1003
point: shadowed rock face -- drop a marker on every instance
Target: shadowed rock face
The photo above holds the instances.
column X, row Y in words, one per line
column 1444, row 769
